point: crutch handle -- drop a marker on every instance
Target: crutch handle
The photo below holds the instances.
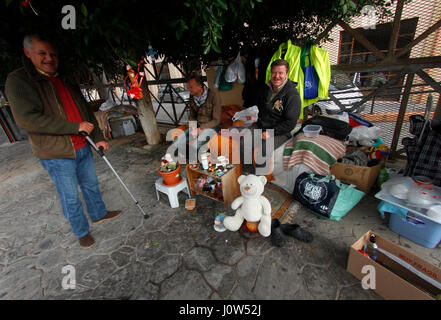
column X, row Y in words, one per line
column 100, row 150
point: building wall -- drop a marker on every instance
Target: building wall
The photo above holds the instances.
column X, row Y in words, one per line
column 428, row 13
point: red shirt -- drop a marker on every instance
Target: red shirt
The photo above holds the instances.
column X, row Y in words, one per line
column 71, row 110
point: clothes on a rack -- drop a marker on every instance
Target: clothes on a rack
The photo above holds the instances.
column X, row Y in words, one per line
column 424, row 159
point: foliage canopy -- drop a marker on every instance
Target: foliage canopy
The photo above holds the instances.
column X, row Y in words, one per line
column 109, row 34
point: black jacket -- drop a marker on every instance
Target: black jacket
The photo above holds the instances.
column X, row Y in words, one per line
column 282, row 112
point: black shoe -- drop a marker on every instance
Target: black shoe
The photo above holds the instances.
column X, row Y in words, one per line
column 294, row 230
column 248, row 169
column 277, row 238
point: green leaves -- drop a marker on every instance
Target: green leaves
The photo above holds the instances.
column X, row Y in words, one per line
column 110, row 32
column 222, row 4
column 213, row 15
column 84, row 10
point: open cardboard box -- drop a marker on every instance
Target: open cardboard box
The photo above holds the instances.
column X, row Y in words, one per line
column 362, row 177
column 392, row 280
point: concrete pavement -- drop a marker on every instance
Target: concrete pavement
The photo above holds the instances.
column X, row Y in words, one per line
column 175, row 254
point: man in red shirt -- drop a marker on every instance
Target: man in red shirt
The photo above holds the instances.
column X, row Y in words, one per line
column 53, row 112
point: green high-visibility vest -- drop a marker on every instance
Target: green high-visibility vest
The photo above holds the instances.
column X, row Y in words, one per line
column 320, row 61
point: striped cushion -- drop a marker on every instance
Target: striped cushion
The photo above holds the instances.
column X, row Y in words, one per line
column 318, row 153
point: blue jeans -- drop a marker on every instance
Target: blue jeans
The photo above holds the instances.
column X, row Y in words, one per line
column 67, row 174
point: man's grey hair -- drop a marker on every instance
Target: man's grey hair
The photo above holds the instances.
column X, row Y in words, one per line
column 27, row 40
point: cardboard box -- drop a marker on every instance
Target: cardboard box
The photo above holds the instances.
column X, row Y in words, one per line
column 392, row 280
column 362, row 177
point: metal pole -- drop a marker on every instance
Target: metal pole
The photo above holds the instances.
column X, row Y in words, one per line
column 101, row 153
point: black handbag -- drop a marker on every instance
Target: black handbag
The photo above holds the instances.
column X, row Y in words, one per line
column 331, row 127
column 325, row 195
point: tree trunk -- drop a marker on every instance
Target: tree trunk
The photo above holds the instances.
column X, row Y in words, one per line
column 99, row 82
column 148, row 118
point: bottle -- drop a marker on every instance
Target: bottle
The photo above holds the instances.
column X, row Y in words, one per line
column 371, row 248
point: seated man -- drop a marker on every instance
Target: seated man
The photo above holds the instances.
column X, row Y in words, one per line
column 204, row 120
column 279, row 109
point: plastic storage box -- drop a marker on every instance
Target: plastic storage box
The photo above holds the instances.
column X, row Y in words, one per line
column 124, row 126
column 312, row 131
column 410, row 224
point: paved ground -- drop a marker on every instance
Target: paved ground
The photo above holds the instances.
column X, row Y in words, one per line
column 175, row 254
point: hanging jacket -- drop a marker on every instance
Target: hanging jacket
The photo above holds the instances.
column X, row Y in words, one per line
column 320, row 61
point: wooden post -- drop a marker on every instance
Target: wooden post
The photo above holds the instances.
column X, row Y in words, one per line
column 429, row 80
column 403, row 106
column 395, row 28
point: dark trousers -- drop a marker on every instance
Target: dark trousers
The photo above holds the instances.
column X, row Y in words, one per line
column 251, row 144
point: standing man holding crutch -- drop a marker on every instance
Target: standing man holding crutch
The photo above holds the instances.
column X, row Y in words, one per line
column 53, row 111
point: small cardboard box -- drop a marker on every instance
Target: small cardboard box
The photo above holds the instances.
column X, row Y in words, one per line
column 393, row 281
column 362, row 177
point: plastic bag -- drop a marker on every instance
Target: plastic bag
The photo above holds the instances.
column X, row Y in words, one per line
column 219, row 70
column 248, row 116
column 219, row 81
column 361, row 133
column 326, row 195
column 236, row 71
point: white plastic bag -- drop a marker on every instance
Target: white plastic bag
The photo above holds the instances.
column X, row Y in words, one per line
column 248, row 116
column 365, row 133
column 236, row 71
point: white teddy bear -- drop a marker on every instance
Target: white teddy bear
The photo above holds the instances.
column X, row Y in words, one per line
column 251, row 205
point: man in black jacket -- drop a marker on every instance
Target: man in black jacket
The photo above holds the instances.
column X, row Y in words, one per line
column 279, row 109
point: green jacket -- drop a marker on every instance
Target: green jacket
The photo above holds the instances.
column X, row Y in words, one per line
column 37, row 108
column 208, row 115
column 320, row 61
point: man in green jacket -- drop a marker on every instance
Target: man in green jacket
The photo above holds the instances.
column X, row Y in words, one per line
column 53, row 111
column 279, row 109
column 204, row 119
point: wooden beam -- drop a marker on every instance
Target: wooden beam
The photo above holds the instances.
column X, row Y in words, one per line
column 429, row 80
column 402, row 112
column 399, row 64
column 389, row 83
column 362, row 39
column 422, row 36
column 395, row 28
column 326, row 31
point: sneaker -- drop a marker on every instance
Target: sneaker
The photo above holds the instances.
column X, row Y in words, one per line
column 87, row 241
column 295, row 231
column 109, row 216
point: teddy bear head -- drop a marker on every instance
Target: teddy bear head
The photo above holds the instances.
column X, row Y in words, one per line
column 251, row 186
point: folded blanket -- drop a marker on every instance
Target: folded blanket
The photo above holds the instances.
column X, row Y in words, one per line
column 318, row 153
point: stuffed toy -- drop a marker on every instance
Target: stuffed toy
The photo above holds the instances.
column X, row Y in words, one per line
column 251, row 206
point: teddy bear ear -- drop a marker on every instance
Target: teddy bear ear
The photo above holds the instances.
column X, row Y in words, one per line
column 263, row 179
column 241, row 178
